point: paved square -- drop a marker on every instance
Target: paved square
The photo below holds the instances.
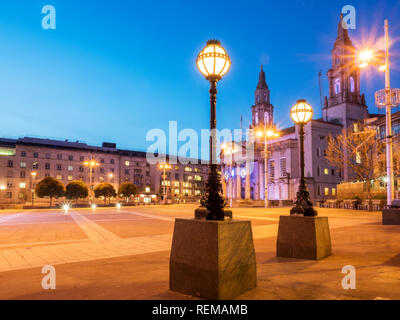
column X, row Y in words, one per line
column 111, row 254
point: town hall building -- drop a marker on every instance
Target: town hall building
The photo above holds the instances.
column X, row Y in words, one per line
column 344, row 106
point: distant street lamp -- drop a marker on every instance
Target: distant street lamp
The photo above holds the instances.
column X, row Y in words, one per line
column 164, row 167
column 268, row 133
column 213, row 62
column 301, row 113
column 229, row 150
column 33, row 176
column 91, row 164
column 385, row 98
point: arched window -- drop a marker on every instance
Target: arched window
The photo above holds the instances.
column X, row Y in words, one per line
column 337, row 86
column 256, row 118
column 266, row 118
column 352, row 84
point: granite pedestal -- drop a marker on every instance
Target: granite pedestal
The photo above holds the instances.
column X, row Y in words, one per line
column 391, row 216
column 212, row 259
column 303, row 237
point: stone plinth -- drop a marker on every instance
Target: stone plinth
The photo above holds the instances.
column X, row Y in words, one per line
column 212, row 259
column 303, row 237
column 391, row 216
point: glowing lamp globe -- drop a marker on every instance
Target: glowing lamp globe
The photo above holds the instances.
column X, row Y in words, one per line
column 213, row 61
column 301, row 112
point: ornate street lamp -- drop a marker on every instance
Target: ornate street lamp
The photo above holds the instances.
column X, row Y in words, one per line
column 91, row 164
column 213, row 62
column 33, row 176
column 267, row 133
column 385, row 98
column 301, row 113
column 164, row 166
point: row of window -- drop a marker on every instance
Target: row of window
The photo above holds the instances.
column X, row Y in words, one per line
column 60, row 157
column 327, row 191
column 176, row 184
column 326, row 171
column 282, row 167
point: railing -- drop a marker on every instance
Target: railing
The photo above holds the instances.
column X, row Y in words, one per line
column 373, row 205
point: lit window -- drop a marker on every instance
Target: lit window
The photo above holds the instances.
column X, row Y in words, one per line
column 337, row 86
column 326, row 171
column 70, row 168
column 147, row 189
column 327, row 191
column 197, row 178
column 176, row 183
column 70, row 178
column 59, row 177
column 22, row 185
column 23, row 164
column 127, row 163
column 355, row 127
column 333, row 191
column 176, row 191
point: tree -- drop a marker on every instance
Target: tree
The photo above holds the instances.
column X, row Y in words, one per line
column 105, row 190
column 127, row 190
column 381, row 169
column 357, row 150
column 76, row 189
column 50, row 187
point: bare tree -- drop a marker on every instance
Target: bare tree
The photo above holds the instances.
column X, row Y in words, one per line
column 381, row 168
column 358, row 150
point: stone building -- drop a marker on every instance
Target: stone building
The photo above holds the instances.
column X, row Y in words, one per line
column 344, row 106
column 65, row 161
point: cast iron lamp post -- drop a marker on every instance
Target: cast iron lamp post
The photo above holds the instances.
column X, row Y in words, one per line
column 213, row 62
column 33, row 176
column 164, row 167
column 268, row 134
column 91, row 164
column 301, row 113
column 385, row 98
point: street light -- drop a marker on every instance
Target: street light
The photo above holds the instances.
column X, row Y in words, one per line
column 33, row 176
column 268, row 133
column 164, row 167
column 213, row 62
column 385, row 98
column 230, row 173
column 301, row 113
column 91, row 164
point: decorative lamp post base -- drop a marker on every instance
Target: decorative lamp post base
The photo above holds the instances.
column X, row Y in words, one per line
column 303, row 204
column 303, row 237
column 212, row 259
column 202, row 213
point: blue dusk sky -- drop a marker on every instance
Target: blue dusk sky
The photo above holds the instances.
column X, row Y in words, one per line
column 113, row 70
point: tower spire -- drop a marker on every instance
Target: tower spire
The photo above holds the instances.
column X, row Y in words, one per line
column 342, row 33
column 262, row 84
